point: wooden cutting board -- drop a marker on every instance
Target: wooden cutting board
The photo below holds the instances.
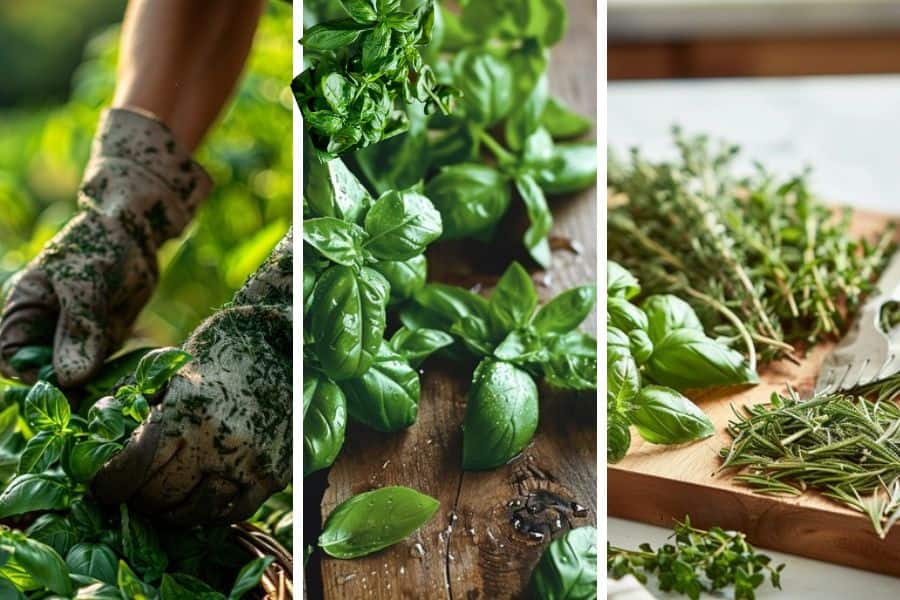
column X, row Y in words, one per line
column 658, row 484
column 471, row 548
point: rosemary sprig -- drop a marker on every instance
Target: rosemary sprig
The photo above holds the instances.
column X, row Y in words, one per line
column 846, row 446
column 698, row 561
column 762, row 261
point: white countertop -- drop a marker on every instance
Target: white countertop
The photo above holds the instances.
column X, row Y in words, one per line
column 848, row 128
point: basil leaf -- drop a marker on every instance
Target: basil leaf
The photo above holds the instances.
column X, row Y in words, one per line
column 501, row 415
column 476, row 334
column 525, row 118
column 99, row 591
column 55, row 531
column 47, row 408
column 157, row 367
column 400, row 225
column 620, row 283
column 471, row 198
column 566, row 311
column 486, row 83
column 140, row 545
column 618, row 437
column 324, row 422
column 249, row 576
column 386, row 397
column 93, row 560
column 348, row 320
column 86, row 518
column 444, row 305
column 336, row 240
column 567, row 569
column 641, row 346
column 562, row 121
column 522, row 346
column 374, row 520
column 27, row 358
column 331, row 190
column 31, row 492
column 686, row 359
column 33, row 565
column 376, row 47
column 539, row 215
column 666, row 313
column 616, row 339
column 331, row 35
column 623, row 379
column 88, row 456
column 663, row 416
column 361, row 11
column 573, row 362
column 570, row 168
column 131, row 586
column 624, row 315
column 417, row 345
column 107, row 421
column 405, row 277
column 514, row 299
column 40, row 452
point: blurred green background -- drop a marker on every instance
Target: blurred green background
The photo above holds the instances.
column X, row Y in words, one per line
column 59, row 72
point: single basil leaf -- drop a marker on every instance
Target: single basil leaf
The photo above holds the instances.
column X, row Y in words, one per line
column 501, row 415
column 157, row 367
column 540, row 218
column 331, row 35
column 623, row 379
column 447, row 304
column 525, row 118
column 336, row 240
column 141, row 547
column 471, row 198
column 514, row 299
column 86, row 518
column 566, row 311
column 249, row 576
column 31, row 357
column 617, row 340
column 31, row 492
column 415, row 345
column 686, row 359
column 486, row 83
column 324, row 422
column 331, row 190
column 386, row 397
column 107, row 421
column 377, row 47
column 573, row 362
column 476, row 334
column 348, row 320
column 620, row 283
column 40, row 452
column 361, row 11
column 562, row 121
column 405, row 277
column 570, row 168
column 400, row 225
column 374, row 520
column 624, row 315
column 666, row 313
column 618, row 437
column 47, row 408
column 88, row 456
column 641, row 346
column 338, row 92
column 663, row 416
column 93, row 560
column 55, row 531
column 522, row 346
column 33, row 565
column 567, row 569
column 546, row 21
column 131, row 586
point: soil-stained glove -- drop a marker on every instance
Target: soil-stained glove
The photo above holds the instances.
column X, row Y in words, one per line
column 84, row 290
column 219, row 443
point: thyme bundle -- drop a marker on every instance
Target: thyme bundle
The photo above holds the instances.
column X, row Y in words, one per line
column 763, row 262
column 846, row 446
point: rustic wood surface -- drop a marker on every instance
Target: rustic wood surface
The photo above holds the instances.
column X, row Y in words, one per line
column 657, row 484
column 471, row 549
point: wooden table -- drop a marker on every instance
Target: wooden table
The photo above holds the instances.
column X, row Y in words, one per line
column 471, row 549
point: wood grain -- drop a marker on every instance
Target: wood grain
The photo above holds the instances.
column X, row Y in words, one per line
column 471, row 548
column 658, row 484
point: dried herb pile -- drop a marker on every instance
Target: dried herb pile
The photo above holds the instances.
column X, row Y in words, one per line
column 761, row 260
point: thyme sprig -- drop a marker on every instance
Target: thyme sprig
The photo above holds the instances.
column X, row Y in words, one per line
column 846, row 446
column 698, row 561
column 762, row 261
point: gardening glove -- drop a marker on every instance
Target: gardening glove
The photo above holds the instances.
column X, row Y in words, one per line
column 219, row 443
column 82, row 293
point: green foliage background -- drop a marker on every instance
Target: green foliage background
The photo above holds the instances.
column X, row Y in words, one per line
column 43, row 151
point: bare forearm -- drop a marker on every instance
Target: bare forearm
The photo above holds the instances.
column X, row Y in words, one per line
column 180, row 59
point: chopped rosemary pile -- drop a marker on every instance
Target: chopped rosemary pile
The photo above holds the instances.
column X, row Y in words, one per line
column 845, row 446
column 698, row 561
column 763, row 262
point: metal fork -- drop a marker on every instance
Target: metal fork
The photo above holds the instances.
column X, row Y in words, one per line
column 867, row 353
